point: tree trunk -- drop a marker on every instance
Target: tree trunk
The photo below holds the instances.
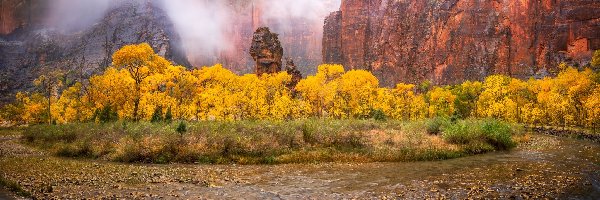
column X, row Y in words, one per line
column 49, row 103
column 136, row 101
column 136, row 104
column 49, row 111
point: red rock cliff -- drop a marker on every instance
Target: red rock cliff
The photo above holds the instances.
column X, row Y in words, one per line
column 15, row 14
column 454, row 40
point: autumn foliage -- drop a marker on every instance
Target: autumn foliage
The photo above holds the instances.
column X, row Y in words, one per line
column 140, row 85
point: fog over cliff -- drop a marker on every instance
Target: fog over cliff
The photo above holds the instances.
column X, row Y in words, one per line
column 207, row 27
column 212, row 30
column 74, row 15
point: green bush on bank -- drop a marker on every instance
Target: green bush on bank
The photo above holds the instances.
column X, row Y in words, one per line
column 479, row 136
column 435, row 125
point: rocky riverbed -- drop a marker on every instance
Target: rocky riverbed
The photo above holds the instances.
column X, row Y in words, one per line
column 545, row 167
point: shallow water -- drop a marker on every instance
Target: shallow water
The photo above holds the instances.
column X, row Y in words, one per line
column 5, row 195
column 548, row 163
column 545, row 167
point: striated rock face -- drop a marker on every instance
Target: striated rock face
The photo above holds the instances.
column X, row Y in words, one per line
column 16, row 14
column 291, row 69
column 332, row 40
column 26, row 54
column 455, row 40
column 266, row 51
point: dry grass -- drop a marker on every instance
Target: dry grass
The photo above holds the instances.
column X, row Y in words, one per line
column 247, row 142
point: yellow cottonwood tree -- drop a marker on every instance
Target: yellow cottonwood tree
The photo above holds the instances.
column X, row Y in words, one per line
column 113, row 89
column 319, row 90
column 574, row 87
column 355, row 94
column 592, row 109
column 406, row 104
column 466, row 98
column 216, row 87
column 182, row 86
column 330, row 71
column 140, row 61
column 49, row 85
column 278, row 97
column 140, row 82
column 383, row 100
column 72, row 106
column 441, row 102
column 34, row 108
column 495, row 100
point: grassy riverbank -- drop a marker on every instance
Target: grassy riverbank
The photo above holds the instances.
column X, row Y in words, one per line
column 266, row 142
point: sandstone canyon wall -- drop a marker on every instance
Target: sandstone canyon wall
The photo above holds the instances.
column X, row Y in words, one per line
column 454, row 40
column 20, row 13
column 29, row 48
column 31, row 43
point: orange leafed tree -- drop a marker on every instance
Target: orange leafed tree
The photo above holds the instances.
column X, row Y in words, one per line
column 141, row 84
column 140, row 61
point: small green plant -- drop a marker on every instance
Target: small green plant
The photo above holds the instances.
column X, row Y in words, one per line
column 169, row 115
column 106, row 114
column 269, row 160
column 181, row 128
column 461, row 132
column 157, row 115
column 455, row 117
column 123, row 126
column 596, row 59
column 434, row 126
column 498, row 134
column 378, row 115
column 308, row 133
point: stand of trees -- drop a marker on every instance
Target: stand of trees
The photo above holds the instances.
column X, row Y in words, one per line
column 140, row 85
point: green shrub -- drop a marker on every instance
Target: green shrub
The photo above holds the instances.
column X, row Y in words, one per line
column 434, row 126
column 461, row 132
column 308, row 132
column 169, row 115
column 498, row 134
column 181, row 128
column 128, row 151
column 349, row 140
column 478, row 147
column 51, row 134
column 479, row 136
column 106, row 114
column 80, row 149
column 157, row 115
column 378, row 114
